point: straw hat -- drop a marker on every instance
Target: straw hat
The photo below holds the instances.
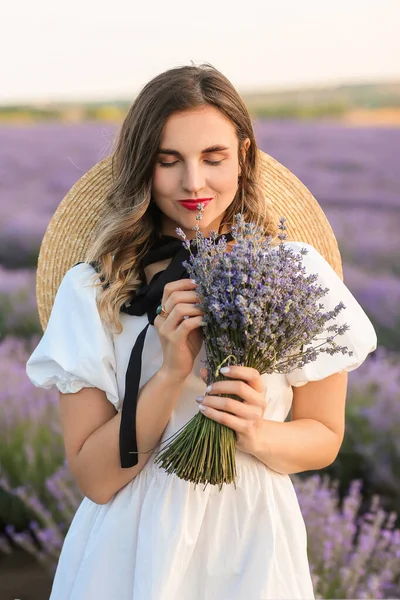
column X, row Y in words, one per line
column 68, row 233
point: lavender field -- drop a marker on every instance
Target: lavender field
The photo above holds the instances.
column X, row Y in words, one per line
column 353, row 173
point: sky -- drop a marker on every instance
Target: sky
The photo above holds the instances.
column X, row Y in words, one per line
column 95, row 50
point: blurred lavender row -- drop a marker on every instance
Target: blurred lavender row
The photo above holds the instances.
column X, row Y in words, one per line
column 340, row 165
column 351, row 171
column 347, row 169
column 31, row 441
column 18, row 310
column 38, row 165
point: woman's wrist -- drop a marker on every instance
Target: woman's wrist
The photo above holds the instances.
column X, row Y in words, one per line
column 169, row 377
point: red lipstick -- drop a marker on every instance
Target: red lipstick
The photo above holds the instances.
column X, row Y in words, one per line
column 192, row 204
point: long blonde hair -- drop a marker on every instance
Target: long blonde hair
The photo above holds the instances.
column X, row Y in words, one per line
column 132, row 221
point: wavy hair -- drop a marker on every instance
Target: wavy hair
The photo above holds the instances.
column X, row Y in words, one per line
column 132, row 221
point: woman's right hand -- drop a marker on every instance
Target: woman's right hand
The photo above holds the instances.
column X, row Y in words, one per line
column 181, row 339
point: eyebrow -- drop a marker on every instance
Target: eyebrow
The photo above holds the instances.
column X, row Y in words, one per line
column 217, row 148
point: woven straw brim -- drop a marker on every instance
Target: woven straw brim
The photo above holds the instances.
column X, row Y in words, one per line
column 68, row 234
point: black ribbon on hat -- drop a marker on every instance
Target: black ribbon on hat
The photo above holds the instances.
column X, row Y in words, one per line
column 146, row 300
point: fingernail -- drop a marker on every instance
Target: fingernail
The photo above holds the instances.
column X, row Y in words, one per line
column 225, row 370
column 193, row 281
column 202, row 407
column 208, row 389
column 199, row 398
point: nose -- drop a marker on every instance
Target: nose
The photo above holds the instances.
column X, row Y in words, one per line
column 192, row 178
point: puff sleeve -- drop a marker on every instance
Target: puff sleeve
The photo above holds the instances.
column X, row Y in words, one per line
column 75, row 350
column 361, row 338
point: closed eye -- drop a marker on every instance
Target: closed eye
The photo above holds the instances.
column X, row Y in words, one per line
column 213, row 163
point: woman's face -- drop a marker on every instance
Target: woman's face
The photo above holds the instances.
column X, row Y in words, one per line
column 197, row 159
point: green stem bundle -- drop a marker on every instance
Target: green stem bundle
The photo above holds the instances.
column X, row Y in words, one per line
column 204, row 451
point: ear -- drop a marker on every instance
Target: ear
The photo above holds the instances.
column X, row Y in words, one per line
column 243, row 149
column 245, row 146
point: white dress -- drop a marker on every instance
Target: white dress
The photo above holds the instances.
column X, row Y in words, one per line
column 161, row 538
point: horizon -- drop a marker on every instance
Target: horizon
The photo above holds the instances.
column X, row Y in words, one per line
column 321, row 86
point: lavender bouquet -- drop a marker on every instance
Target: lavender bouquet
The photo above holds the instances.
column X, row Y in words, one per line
column 261, row 310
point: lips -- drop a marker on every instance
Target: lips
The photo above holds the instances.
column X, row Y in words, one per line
column 192, row 204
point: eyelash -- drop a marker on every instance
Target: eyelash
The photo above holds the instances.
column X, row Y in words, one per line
column 213, row 163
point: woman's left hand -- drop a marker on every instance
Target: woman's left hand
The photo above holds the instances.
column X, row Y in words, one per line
column 246, row 417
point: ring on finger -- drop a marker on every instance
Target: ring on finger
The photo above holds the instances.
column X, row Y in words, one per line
column 161, row 311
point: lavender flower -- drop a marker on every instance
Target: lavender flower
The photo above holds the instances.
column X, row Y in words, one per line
column 44, row 536
column 350, row 556
column 260, row 310
column 258, row 287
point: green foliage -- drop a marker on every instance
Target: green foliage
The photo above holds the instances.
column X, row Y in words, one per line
column 304, row 103
column 26, row 325
column 31, row 453
column 298, row 111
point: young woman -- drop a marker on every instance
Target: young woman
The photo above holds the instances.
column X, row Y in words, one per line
column 129, row 376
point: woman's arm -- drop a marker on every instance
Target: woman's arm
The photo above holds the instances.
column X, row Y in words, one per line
column 91, row 434
column 312, row 439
